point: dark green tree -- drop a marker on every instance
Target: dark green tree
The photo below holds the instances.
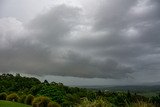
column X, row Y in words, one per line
column 3, row 96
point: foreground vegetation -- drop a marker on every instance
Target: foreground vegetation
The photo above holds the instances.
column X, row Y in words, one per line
column 31, row 91
column 12, row 104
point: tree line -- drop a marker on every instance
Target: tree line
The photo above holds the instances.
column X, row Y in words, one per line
column 31, row 91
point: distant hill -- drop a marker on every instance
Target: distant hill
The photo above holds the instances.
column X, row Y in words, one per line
column 126, row 87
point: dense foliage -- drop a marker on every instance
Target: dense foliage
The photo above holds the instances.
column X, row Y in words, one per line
column 44, row 94
column 3, row 96
column 41, row 102
column 12, row 97
column 10, row 83
column 53, row 104
column 29, row 99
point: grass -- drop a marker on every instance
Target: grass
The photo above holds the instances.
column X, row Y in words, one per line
column 12, row 104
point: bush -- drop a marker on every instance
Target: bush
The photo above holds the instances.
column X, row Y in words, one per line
column 96, row 103
column 53, row 104
column 67, row 104
column 41, row 102
column 3, row 96
column 29, row 99
column 142, row 104
column 12, row 97
column 22, row 99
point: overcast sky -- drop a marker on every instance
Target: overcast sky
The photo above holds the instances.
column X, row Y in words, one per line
column 81, row 42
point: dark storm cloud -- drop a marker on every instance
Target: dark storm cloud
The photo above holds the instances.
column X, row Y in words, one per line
column 135, row 25
column 121, row 38
column 83, row 66
column 23, row 57
column 26, row 57
column 55, row 24
column 112, row 14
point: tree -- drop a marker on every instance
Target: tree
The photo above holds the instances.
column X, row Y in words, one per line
column 46, row 82
column 29, row 99
column 3, row 96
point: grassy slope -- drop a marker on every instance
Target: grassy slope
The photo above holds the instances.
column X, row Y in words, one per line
column 12, row 104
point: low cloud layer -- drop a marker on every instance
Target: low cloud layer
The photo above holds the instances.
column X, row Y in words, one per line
column 116, row 41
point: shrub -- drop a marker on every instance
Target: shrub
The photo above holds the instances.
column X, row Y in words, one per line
column 12, row 97
column 96, row 103
column 41, row 102
column 53, row 104
column 142, row 104
column 3, row 96
column 29, row 99
column 67, row 104
column 36, row 105
column 22, row 99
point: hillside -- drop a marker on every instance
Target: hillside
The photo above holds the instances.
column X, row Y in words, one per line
column 12, row 104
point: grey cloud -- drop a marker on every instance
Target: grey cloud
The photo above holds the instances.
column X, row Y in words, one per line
column 151, row 35
column 22, row 56
column 123, row 47
column 112, row 14
column 84, row 66
column 1, row 5
column 119, row 42
column 36, row 59
column 55, row 24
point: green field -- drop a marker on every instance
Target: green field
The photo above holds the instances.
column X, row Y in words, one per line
column 12, row 104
